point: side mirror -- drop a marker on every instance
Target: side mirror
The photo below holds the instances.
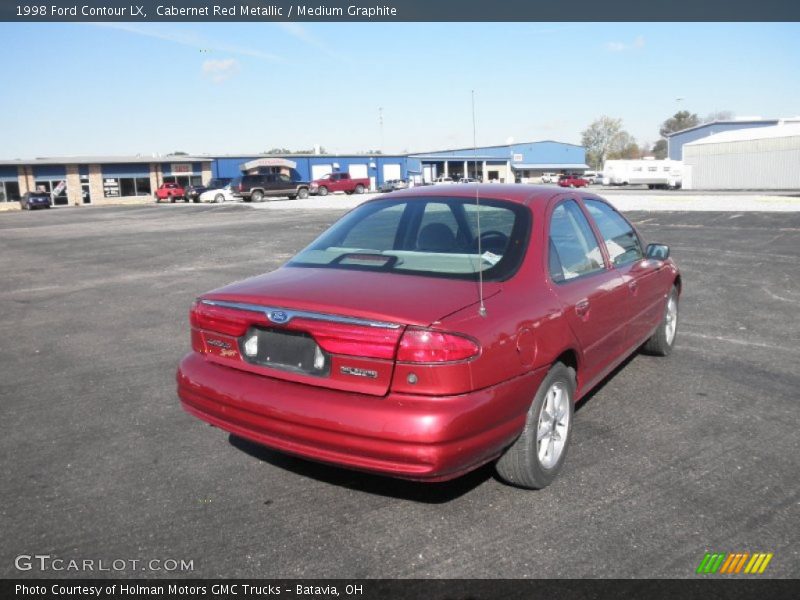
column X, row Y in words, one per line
column 657, row 251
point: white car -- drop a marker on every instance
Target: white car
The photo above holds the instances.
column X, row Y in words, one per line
column 219, row 195
column 550, row 177
column 440, row 180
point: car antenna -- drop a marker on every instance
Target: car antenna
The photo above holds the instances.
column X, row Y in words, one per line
column 482, row 306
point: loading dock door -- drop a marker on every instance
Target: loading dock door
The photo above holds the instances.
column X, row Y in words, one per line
column 391, row 172
column 318, row 171
column 358, row 171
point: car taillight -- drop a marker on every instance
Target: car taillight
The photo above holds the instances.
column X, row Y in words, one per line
column 430, row 346
column 219, row 319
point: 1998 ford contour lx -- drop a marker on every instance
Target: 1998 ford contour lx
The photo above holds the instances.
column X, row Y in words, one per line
column 370, row 349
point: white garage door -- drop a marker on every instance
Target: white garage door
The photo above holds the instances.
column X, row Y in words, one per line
column 318, row 171
column 357, row 171
column 391, row 172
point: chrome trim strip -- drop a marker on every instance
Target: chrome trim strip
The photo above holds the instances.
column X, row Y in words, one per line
column 268, row 311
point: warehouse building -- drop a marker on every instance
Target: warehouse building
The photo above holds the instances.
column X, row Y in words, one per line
column 763, row 158
column 521, row 163
column 677, row 140
column 307, row 167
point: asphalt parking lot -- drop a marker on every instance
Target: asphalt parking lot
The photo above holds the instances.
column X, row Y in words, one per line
column 671, row 458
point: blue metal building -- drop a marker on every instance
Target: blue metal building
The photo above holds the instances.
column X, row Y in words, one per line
column 513, row 162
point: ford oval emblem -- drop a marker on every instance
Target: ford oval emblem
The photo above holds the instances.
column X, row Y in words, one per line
column 278, row 316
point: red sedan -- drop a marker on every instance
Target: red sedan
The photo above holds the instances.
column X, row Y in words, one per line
column 572, row 181
column 433, row 330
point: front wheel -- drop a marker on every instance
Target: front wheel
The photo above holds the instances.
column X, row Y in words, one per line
column 663, row 340
column 537, row 456
column 322, row 191
column 302, row 193
column 219, row 198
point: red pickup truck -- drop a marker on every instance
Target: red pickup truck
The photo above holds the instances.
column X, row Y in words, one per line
column 339, row 182
column 171, row 192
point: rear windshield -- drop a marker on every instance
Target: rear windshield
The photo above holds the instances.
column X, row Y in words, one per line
column 435, row 237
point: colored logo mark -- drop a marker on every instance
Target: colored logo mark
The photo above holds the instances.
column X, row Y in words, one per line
column 734, row 563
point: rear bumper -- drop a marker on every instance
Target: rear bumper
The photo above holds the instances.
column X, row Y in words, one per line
column 400, row 435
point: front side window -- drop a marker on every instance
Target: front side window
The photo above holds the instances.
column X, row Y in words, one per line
column 620, row 239
column 435, row 237
column 573, row 247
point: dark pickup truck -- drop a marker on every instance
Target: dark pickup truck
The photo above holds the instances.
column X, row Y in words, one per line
column 257, row 187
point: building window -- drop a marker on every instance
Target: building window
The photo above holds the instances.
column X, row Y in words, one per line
column 126, row 186
column 9, row 191
column 57, row 189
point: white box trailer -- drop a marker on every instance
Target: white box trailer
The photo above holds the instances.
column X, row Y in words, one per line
column 663, row 174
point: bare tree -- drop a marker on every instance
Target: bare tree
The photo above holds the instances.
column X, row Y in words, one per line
column 605, row 138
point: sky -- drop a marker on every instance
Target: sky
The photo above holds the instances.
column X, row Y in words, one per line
column 244, row 88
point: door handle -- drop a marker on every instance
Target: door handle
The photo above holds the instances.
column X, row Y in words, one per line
column 582, row 308
column 633, row 286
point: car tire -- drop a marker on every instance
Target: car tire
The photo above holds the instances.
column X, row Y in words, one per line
column 302, row 193
column 662, row 341
column 349, row 192
column 172, row 199
column 219, row 198
column 257, row 196
column 322, row 191
column 359, row 189
column 572, row 185
column 537, row 456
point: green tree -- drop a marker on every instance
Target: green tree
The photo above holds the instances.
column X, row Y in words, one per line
column 660, row 149
column 681, row 120
column 604, row 139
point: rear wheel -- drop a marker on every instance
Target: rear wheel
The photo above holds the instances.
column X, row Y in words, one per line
column 537, row 456
column 663, row 340
column 359, row 189
column 322, row 191
column 257, row 196
column 302, row 193
column 219, row 198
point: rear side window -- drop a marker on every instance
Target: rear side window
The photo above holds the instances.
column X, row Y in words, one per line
column 573, row 247
column 620, row 239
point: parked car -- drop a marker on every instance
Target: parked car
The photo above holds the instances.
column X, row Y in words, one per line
column 467, row 180
column 550, row 177
column 440, row 180
column 593, row 177
column 171, row 192
column 329, row 357
column 339, row 182
column 573, row 181
column 224, row 194
column 31, row 200
column 256, row 187
column 193, row 192
column 391, row 185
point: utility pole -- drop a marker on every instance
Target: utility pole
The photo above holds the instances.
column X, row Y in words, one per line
column 380, row 124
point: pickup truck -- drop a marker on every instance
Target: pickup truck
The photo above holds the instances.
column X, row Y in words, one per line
column 171, row 192
column 254, row 188
column 339, row 182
